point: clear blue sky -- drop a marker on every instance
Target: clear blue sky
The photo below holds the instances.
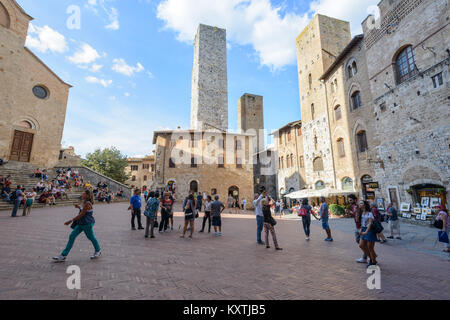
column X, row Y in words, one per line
column 130, row 62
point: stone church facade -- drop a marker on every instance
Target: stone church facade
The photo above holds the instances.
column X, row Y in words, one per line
column 34, row 99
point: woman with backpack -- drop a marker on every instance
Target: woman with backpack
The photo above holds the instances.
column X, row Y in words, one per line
column 368, row 233
column 445, row 222
column 189, row 215
column 83, row 222
column 305, row 213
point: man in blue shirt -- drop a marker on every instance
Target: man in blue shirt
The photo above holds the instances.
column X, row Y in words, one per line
column 135, row 207
column 324, row 218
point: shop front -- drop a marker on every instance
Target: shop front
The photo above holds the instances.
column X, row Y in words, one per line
column 428, row 196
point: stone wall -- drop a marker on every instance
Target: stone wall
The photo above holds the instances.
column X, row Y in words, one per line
column 412, row 117
column 209, row 99
column 340, row 87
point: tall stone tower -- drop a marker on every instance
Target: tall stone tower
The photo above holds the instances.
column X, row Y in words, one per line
column 209, row 100
column 251, row 115
column 317, row 47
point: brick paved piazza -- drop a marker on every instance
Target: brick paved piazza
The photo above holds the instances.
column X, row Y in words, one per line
column 231, row 267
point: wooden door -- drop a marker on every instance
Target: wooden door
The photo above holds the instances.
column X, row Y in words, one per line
column 21, row 147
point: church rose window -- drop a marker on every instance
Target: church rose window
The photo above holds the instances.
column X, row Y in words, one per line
column 40, row 92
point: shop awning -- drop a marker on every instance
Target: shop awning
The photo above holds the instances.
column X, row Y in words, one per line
column 309, row 193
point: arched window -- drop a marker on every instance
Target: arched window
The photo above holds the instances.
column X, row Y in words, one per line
column 356, row 100
column 320, row 185
column 361, row 139
column 347, row 183
column 292, row 160
column 287, row 161
column 4, row 17
column 310, row 81
column 313, row 111
column 318, row 164
column 282, row 162
column 405, row 64
column 352, row 69
column 337, row 113
column 340, row 147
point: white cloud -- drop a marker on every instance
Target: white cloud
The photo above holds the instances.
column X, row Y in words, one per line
column 113, row 16
column 120, row 66
column 45, row 39
column 267, row 28
column 85, row 55
column 103, row 82
column 96, row 67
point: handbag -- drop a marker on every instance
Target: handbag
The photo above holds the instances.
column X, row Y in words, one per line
column 273, row 222
column 443, row 237
column 74, row 224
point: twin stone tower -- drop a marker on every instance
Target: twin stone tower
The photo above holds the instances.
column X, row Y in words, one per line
column 209, row 99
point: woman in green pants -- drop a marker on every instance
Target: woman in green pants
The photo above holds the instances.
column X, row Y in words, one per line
column 84, row 222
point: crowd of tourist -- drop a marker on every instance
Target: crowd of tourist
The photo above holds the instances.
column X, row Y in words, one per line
column 48, row 190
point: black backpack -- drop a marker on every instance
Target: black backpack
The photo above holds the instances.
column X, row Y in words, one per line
column 377, row 227
column 439, row 224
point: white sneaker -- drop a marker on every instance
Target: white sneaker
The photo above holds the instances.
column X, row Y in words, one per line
column 219, row 234
column 59, row 258
column 96, row 255
column 307, row 238
column 361, row 260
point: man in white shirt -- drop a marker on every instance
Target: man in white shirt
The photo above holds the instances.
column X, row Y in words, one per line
column 259, row 214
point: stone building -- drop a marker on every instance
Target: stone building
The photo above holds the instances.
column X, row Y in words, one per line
column 375, row 108
column 207, row 158
column 318, row 45
column 408, row 58
column 351, row 122
column 34, row 99
column 201, row 161
column 209, row 99
column 288, row 142
column 141, row 171
column 68, row 158
column 251, row 121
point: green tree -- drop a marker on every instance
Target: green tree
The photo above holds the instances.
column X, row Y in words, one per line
column 109, row 162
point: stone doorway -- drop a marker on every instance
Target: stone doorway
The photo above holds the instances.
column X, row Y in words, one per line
column 21, row 146
column 193, row 186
